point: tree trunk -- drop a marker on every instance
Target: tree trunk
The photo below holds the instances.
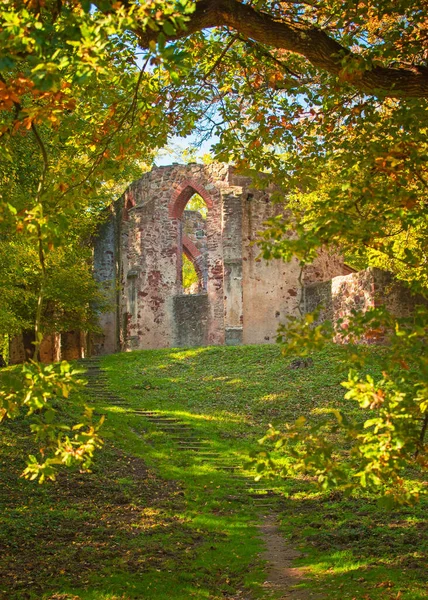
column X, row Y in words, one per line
column 28, row 339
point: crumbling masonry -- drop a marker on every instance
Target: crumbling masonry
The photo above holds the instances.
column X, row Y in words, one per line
column 238, row 298
column 138, row 257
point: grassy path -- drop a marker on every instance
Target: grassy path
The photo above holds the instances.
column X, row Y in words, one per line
column 170, row 512
column 226, row 487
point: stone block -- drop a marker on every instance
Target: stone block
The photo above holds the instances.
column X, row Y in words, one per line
column 233, row 336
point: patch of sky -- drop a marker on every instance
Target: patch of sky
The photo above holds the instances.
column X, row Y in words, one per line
column 185, row 150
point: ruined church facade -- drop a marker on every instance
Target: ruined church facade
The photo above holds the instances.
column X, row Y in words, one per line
column 238, row 298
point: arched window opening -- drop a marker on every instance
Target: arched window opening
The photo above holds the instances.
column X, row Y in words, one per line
column 193, row 269
column 194, row 223
column 190, row 277
column 190, row 208
column 182, row 196
column 194, row 245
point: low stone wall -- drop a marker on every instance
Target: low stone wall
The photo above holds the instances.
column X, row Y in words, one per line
column 339, row 297
column 191, row 317
column 394, row 295
column 72, row 345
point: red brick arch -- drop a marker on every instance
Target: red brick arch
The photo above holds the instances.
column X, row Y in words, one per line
column 189, row 249
column 182, row 196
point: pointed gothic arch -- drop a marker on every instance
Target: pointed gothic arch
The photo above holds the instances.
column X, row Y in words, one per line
column 182, row 196
column 195, row 256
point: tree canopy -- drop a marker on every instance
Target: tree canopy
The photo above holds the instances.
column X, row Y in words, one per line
column 328, row 98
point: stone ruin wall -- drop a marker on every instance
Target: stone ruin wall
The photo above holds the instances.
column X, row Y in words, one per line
column 272, row 291
column 339, row 296
column 138, row 261
column 242, row 299
column 361, row 291
column 152, row 248
column 245, row 298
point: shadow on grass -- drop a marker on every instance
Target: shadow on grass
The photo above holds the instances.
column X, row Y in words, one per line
column 120, row 532
column 127, row 531
column 229, row 395
column 354, row 549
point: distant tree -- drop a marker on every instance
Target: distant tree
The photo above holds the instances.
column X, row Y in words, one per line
column 190, row 276
column 196, row 202
column 72, row 299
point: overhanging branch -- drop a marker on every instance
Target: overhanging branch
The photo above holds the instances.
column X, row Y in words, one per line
column 313, row 43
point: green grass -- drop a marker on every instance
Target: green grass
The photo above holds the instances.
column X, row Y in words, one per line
column 153, row 522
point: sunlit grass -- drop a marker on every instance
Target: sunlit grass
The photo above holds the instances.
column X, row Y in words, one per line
column 156, row 523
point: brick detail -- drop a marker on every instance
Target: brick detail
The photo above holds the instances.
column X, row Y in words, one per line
column 189, row 249
column 193, row 254
column 182, row 196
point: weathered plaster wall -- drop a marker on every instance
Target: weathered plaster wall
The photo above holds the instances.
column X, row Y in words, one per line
column 271, row 289
column 232, row 260
column 149, row 270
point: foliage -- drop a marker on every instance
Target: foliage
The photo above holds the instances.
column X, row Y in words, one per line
column 74, row 98
column 196, row 202
column 41, row 391
column 190, row 276
column 376, row 452
column 71, row 295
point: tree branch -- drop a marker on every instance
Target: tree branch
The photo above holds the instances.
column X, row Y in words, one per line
column 313, row 43
column 422, row 435
column 45, row 161
column 41, row 252
column 129, row 111
column 218, row 61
